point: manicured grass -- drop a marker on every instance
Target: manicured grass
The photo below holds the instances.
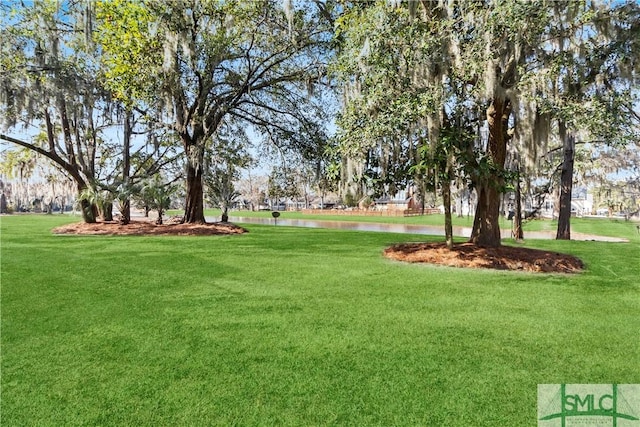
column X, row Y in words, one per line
column 607, row 227
column 292, row 326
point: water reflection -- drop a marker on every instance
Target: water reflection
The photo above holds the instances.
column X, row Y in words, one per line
column 352, row 225
column 402, row 228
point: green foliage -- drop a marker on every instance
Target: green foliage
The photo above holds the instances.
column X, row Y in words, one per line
column 583, row 78
column 225, row 158
column 154, row 194
column 99, row 200
column 124, row 193
column 130, row 50
column 350, row 200
column 380, row 50
column 18, row 163
column 220, row 189
column 282, row 183
column 198, row 57
column 388, row 56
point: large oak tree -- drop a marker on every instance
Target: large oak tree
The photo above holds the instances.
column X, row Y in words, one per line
column 219, row 61
column 520, row 73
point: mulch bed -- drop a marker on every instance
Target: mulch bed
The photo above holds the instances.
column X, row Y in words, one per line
column 138, row 228
column 473, row 256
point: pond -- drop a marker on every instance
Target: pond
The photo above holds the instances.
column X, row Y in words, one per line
column 401, row 228
column 353, row 225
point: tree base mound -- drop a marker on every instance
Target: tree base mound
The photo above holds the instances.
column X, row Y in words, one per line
column 473, row 256
column 139, row 228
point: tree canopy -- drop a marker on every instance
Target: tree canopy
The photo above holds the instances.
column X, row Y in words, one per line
column 459, row 82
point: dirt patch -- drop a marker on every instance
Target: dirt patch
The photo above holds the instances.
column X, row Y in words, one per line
column 472, row 256
column 142, row 227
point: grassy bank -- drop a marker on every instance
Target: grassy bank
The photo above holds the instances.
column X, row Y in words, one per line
column 291, row 326
column 598, row 226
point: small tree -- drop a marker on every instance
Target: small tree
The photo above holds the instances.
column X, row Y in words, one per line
column 220, row 189
column 282, row 184
column 328, row 173
column 224, row 159
column 252, row 189
column 156, row 195
column 98, row 201
column 123, row 196
column 88, row 203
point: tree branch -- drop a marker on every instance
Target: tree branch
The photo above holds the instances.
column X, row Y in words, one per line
column 68, row 167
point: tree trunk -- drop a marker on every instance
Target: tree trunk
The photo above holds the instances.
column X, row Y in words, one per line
column 486, row 225
column 106, row 211
column 518, row 234
column 566, row 185
column 126, row 168
column 89, row 211
column 126, row 212
column 194, row 204
column 446, row 201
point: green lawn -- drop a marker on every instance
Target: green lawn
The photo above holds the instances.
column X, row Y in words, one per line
column 293, row 326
